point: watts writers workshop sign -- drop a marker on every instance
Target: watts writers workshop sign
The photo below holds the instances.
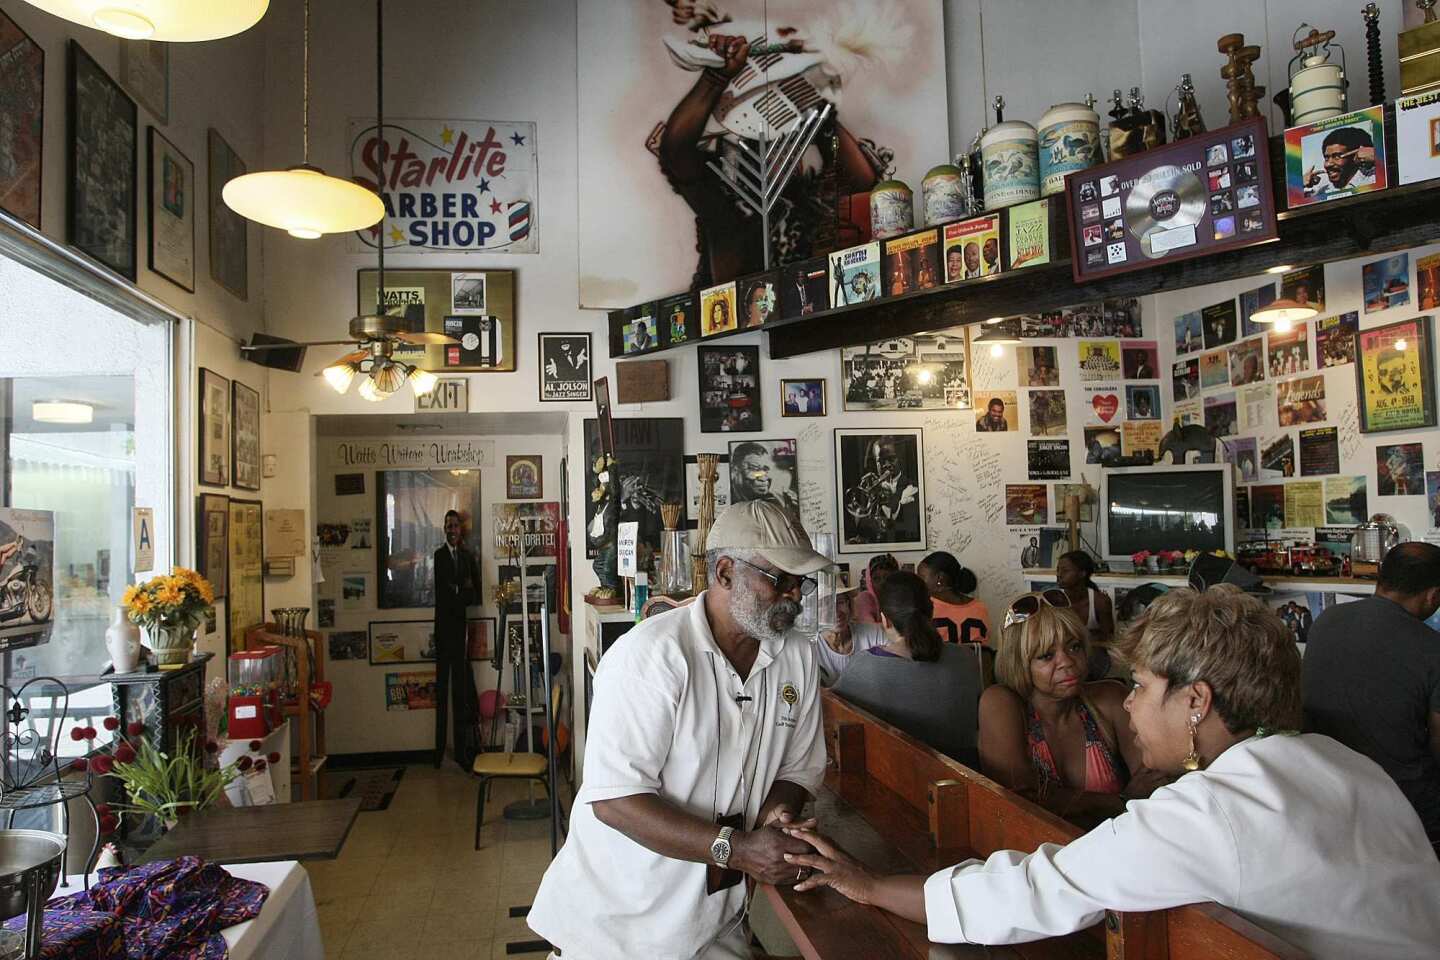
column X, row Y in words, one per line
column 448, row 453
column 449, row 185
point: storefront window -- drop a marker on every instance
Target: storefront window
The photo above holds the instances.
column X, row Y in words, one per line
column 86, row 433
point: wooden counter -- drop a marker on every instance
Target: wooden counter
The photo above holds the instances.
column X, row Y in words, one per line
column 899, row 806
column 1130, row 579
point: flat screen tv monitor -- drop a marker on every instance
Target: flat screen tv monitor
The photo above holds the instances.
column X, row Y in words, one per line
column 1169, row 508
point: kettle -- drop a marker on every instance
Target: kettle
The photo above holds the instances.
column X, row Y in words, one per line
column 1374, row 538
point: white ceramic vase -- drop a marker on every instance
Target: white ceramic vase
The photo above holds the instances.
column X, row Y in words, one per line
column 122, row 642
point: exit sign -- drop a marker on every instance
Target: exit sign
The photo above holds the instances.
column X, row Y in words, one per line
column 451, row 395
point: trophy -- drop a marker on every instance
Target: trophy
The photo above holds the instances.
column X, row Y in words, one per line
column 1371, row 13
column 1420, row 53
column 1187, row 121
column 1239, row 76
column 1137, row 129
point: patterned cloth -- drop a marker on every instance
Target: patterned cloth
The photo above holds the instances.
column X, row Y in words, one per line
column 171, row 909
column 1105, row 770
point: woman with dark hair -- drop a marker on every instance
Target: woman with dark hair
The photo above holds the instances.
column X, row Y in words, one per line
column 866, row 606
column 960, row 616
column 1075, row 572
column 914, row 680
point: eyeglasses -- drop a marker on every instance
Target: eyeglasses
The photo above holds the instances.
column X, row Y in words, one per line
column 1027, row 606
column 783, row 582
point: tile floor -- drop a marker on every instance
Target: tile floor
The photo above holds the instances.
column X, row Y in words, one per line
column 409, row 883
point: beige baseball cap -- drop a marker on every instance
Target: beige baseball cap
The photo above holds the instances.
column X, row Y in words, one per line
column 769, row 530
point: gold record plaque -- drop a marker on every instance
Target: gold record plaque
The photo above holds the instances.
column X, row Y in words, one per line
column 1191, row 198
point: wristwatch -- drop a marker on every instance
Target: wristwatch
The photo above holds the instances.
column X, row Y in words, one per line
column 720, row 849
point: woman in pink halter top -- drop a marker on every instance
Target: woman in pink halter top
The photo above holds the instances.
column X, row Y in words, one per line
column 1047, row 733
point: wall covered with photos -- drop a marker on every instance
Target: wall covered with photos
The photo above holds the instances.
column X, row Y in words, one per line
column 372, row 652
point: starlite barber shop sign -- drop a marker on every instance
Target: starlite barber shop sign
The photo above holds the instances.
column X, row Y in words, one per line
column 448, row 185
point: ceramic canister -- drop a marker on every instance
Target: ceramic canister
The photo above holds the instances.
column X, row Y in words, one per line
column 892, row 209
column 942, row 194
column 1317, row 91
column 1012, row 169
column 1069, row 141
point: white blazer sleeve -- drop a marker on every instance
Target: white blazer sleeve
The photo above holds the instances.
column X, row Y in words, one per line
column 1177, row 847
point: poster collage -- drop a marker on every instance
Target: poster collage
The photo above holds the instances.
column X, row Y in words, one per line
column 1266, row 392
column 375, row 604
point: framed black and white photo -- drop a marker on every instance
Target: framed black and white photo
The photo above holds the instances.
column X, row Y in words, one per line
column 103, row 165
column 212, row 542
column 229, row 253
column 802, row 398
column 765, row 470
column 649, row 470
column 730, row 390
column 564, row 366
column 245, row 435
column 214, row 429
column 880, row 489
column 172, row 212
column 929, row 371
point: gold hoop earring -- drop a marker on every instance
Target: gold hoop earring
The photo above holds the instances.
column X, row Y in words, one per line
column 1192, row 759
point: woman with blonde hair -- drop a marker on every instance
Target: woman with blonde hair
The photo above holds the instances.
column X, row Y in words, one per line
column 1295, row 832
column 1047, row 733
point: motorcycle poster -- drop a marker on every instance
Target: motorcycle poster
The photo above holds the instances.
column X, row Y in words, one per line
column 27, row 576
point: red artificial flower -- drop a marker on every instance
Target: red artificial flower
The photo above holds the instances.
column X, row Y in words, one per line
column 135, row 728
column 91, row 733
column 77, row 734
column 260, row 764
column 102, row 809
column 109, row 823
column 274, row 756
column 124, row 753
column 211, row 746
column 102, row 764
column 112, row 723
column 255, row 746
column 80, row 764
column 244, row 763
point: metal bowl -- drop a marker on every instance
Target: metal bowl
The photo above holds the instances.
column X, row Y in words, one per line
column 28, row 856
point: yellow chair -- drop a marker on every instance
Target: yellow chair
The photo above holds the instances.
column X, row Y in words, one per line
column 510, row 765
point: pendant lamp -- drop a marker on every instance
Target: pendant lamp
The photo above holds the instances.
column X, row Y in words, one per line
column 173, row 21
column 1283, row 310
column 304, row 201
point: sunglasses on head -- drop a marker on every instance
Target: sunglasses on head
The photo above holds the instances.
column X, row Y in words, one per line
column 1027, row 606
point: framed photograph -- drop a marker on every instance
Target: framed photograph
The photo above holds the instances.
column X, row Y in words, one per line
column 730, row 390
column 765, row 470
column 402, row 641
column 172, row 212
column 245, row 593
column 1336, row 157
column 880, row 489
column 802, row 398
column 104, row 173
column 476, row 308
column 229, row 250
column 214, row 461
column 564, row 366
column 245, row 435
column 410, row 513
column 212, row 546
column 539, row 580
column 649, row 470
column 535, row 526
column 479, row 637
column 929, row 371
column 1395, row 376
column 524, row 479
column 145, row 72
column 22, row 116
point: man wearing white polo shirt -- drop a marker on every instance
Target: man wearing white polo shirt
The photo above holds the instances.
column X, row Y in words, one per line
column 705, row 733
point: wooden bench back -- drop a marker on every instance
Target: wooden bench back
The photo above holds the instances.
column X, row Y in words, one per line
column 967, row 811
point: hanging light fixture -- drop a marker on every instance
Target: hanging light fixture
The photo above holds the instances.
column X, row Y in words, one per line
column 62, row 411
column 1283, row 309
column 173, row 21
column 304, row 201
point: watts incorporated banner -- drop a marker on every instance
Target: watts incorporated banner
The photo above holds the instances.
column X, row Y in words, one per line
column 449, row 185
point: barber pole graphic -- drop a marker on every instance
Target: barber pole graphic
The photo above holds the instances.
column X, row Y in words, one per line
column 449, row 185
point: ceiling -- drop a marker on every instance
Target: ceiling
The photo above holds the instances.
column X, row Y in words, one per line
column 112, row 397
column 440, row 424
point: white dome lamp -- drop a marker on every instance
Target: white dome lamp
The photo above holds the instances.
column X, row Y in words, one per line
column 304, row 201
column 173, row 21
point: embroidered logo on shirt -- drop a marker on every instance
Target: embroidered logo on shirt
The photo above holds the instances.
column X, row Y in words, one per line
column 789, row 695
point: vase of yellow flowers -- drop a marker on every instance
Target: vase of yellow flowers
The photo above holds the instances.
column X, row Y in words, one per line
column 169, row 608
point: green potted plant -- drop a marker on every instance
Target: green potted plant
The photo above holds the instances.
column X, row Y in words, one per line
column 158, row 784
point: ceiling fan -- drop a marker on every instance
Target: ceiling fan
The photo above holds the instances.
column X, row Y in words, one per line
column 376, row 335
